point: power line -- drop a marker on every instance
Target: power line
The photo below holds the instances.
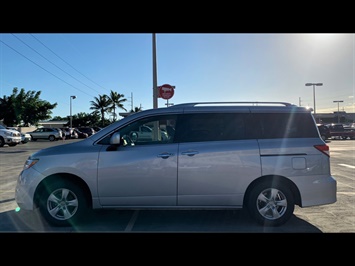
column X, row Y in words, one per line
column 52, row 62
column 69, row 64
column 44, row 68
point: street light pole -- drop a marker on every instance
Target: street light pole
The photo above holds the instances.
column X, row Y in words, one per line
column 314, row 95
column 71, row 117
column 338, row 109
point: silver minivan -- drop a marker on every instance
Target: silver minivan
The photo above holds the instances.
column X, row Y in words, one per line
column 266, row 157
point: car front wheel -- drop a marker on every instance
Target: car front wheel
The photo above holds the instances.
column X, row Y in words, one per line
column 62, row 203
column 271, row 203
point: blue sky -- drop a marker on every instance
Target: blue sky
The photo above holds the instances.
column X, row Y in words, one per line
column 201, row 66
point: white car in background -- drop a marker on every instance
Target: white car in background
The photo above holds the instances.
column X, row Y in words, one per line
column 8, row 136
column 25, row 137
column 145, row 133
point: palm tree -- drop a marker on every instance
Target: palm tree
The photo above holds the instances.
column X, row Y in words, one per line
column 117, row 99
column 101, row 105
column 136, row 109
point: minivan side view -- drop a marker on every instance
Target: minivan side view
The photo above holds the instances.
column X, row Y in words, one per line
column 266, row 157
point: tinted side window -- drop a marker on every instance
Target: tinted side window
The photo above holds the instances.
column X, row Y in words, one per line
column 151, row 130
column 211, row 127
column 285, row 125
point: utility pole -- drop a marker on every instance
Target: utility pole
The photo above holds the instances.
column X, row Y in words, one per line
column 155, row 82
column 71, row 117
column 132, row 101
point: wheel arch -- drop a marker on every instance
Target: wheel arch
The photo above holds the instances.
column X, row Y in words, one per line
column 274, row 179
column 67, row 178
column 52, row 138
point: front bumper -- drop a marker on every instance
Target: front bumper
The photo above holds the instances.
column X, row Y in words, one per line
column 12, row 140
column 27, row 183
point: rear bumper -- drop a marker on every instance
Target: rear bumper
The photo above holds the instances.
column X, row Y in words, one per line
column 321, row 191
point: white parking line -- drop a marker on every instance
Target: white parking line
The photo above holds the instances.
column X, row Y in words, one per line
column 347, row 165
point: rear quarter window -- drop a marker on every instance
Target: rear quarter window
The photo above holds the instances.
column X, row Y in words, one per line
column 283, row 125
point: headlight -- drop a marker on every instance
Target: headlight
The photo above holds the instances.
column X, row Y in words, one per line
column 29, row 163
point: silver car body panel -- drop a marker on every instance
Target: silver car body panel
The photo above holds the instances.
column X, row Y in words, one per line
column 216, row 173
column 303, row 164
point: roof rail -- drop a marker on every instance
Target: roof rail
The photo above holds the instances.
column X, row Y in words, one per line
column 232, row 103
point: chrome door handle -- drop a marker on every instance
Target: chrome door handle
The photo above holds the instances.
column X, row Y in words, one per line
column 165, row 155
column 189, row 153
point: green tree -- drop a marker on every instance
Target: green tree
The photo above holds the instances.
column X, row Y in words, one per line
column 117, row 100
column 136, row 110
column 85, row 119
column 7, row 111
column 101, row 105
column 25, row 108
column 58, row 118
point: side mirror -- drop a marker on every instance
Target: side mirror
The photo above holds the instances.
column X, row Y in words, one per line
column 116, row 139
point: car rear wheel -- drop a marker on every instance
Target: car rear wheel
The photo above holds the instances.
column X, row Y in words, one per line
column 62, row 203
column 271, row 203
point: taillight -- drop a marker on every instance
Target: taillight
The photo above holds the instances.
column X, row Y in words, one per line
column 323, row 148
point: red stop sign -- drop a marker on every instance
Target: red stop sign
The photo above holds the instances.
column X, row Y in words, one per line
column 166, row 91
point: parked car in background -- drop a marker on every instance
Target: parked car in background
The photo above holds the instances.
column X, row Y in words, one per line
column 88, row 130
column 61, row 132
column 97, row 128
column 25, row 137
column 10, row 137
column 81, row 135
column 350, row 126
column 324, row 131
column 48, row 133
column 69, row 133
column 338, row 131
column 145, row 133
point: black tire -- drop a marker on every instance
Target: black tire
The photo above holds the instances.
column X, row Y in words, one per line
column 51, row 138
column 63, row 203
column 2, row 142
column 12, row 144
column 271, row 203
